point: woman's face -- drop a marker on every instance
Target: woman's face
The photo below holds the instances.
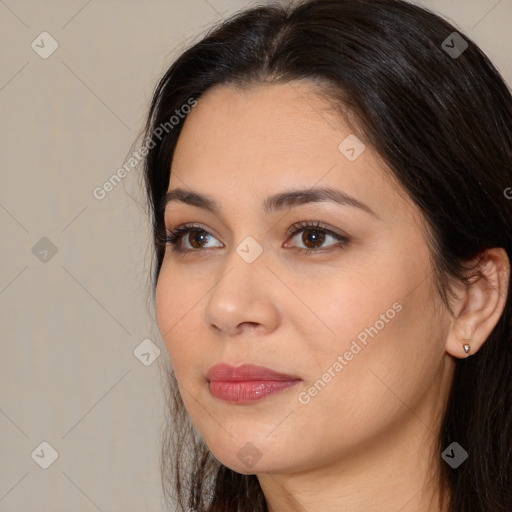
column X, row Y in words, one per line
column 354, row 321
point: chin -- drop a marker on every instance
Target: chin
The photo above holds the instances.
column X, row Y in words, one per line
column 251, row 457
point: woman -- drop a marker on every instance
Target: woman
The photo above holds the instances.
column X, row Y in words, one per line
column 328, row 189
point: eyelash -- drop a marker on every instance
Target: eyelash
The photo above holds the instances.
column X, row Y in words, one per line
column 173, row 236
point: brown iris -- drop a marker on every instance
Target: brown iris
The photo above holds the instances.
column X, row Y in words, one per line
column 199, row 237
column 317, row 237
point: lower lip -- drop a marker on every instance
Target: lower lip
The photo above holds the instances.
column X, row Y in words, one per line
column 248, row 391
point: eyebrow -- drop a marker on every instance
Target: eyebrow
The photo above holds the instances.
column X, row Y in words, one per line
column 272, row 203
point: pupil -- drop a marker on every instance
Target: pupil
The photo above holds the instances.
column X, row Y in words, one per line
column 314, row 237
column 199, row 234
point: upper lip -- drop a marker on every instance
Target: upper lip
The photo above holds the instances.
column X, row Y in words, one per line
column 249, row 372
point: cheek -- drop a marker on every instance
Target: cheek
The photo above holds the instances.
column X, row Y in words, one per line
column 179, row 314
column 376, row 384
column 171, row 310
column 164, row 306
column 343, row 309
column 387, row 335
column 395, row 354
column 176, row 296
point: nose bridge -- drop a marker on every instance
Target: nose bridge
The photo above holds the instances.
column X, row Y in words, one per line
column 240, row 294
column 244, row 268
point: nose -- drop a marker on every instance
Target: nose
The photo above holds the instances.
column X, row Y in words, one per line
column 242, row 298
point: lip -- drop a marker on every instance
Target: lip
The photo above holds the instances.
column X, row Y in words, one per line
column 247, row 383
column 245, row 372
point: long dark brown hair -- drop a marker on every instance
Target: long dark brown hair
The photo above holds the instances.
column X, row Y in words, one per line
column 442, row 123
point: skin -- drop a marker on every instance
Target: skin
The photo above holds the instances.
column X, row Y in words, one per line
column 367, row 439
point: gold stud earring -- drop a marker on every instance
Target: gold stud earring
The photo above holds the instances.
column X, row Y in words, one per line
column 466, row 346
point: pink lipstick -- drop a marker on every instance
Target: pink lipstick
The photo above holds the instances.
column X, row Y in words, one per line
column 247, row 383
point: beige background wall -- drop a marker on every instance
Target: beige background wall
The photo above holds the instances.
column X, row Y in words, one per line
column 70, row 321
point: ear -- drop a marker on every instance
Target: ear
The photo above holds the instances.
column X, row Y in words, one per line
column 478, row 309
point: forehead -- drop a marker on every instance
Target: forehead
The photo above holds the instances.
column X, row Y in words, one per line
column 284, row 119
column 269, row 138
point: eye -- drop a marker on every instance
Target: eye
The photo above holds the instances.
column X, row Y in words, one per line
column 314, row 236
column 200, row 237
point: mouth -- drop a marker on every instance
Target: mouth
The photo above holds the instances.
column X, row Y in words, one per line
column 247, row 383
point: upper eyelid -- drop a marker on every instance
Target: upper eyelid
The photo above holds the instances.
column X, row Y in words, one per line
column 292, row 231
column 297, row 225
